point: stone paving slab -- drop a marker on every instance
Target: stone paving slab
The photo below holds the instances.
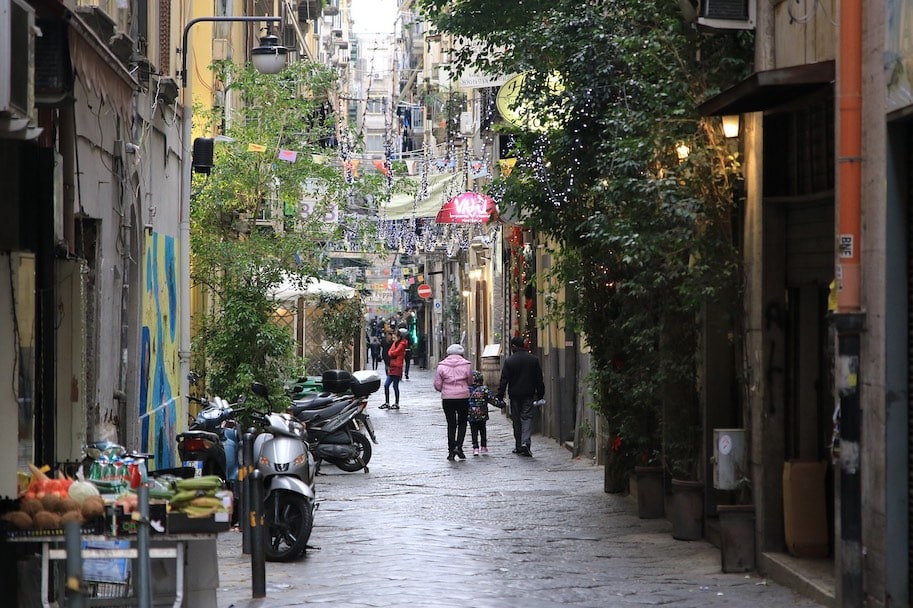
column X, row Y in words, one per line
column 496, row 531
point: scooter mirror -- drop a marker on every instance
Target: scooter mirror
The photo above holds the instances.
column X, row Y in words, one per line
column 259, row 389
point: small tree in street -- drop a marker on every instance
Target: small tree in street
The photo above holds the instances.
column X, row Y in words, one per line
column 263, row 218
column 341, row 320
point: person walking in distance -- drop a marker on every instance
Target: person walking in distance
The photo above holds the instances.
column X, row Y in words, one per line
column 452, row 380
column 408, row 358
column 374, row 349
column 479, row 398
column 397, row 355
column 521, row 379
column 385, row 343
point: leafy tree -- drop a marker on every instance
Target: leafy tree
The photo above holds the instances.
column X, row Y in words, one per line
column 341, row 320
column 238, row 257
column 645, row 237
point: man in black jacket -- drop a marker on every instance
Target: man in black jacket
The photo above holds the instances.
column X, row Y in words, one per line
column 521, row 379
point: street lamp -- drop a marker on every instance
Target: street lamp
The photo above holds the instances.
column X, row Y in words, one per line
column 272, row 55
column 268, row 58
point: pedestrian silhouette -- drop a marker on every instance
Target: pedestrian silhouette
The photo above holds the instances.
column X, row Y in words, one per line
column 479, row 398
column 452, row 380
column 521, row 379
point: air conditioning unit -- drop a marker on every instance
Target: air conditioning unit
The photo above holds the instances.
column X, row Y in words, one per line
column 727, row 14
column 17, row 61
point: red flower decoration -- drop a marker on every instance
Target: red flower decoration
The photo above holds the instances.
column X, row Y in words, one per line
column 616, row 444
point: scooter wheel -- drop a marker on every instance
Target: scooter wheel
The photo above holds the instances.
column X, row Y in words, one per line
column 289, row 518
column 362, row 454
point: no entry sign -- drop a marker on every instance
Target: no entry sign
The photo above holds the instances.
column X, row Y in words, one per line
column 424, row 291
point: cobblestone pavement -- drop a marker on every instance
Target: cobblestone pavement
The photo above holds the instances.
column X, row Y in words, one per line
column 493, row 531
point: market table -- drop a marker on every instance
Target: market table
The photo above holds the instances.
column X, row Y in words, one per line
column 174, row 547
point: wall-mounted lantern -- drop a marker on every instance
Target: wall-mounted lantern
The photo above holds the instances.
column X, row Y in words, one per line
column 731, row 124
column 682, row 150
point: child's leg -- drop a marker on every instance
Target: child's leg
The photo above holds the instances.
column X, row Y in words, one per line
column 483, row 434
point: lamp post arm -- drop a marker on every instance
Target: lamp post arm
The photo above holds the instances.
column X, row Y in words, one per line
column 193, row 22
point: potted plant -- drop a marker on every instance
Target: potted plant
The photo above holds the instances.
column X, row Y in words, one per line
column 651, row 495
column 638, row 440
column 682, row 458
column 616, row 467
column 632, row 419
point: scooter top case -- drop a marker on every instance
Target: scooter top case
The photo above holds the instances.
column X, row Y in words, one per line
column 337, row 381
column 365, row 382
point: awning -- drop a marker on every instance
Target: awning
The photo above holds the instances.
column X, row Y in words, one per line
column 769, row 89
column 441, row 188
column 289, row 291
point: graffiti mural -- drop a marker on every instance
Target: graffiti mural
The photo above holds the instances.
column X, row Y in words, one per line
column 160, row 405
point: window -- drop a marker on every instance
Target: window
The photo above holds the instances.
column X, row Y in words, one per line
column 376, row 105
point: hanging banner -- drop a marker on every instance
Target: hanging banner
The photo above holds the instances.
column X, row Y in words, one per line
column 468, row 208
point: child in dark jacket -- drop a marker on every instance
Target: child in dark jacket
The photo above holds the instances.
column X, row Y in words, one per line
column 479, row 398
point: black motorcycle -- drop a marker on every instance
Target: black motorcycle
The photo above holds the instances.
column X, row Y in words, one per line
column 334, row 419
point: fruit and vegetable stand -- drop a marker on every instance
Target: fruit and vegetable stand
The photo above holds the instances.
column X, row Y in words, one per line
column 174, row 547
column 176, row 524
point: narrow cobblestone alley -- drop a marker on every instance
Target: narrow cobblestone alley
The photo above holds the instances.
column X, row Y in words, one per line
column 492, row 531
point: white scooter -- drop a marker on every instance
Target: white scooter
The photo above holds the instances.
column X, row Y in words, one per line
column 284, row 459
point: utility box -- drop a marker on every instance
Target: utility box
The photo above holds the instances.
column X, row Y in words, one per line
column 729, row 462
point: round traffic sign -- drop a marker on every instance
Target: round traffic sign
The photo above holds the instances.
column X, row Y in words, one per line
column 424, row 291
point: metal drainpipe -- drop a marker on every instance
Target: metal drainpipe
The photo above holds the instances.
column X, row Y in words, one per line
column 849, row 319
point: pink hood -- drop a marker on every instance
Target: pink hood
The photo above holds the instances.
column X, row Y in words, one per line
column 453, row 377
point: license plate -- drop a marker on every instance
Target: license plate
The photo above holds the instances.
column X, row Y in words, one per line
column 196, row 465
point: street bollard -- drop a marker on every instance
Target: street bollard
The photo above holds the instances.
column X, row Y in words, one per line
column 247, row 467
column 143, row 567
column 258, row 539
column 75, row 588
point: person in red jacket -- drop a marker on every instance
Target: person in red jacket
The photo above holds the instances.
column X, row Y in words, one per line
column 397, row 355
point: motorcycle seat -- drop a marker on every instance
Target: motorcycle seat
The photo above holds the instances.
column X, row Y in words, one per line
column 306, row 415
column 197, row 433
column 317, row 402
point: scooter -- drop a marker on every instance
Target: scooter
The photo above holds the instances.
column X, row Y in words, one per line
column 288, row 467
column 210, row 445
column 365, row 382
column 334, row 421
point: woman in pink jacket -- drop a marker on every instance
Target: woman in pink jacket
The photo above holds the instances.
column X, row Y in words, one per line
column 452, row 380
